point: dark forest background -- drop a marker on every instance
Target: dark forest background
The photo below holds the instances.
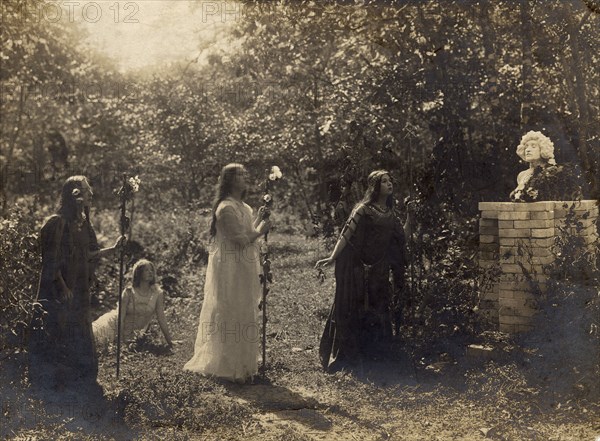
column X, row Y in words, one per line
column 439, row 93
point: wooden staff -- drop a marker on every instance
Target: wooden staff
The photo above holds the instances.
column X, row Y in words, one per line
column 125, row 192
column 266, row 277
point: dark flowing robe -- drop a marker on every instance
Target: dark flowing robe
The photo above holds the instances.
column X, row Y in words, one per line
column 61, row 343
column 360, row 321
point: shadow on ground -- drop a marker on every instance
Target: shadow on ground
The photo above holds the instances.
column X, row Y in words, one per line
column 278, row 402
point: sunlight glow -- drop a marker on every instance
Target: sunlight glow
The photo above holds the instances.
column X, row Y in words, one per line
column 147, row 33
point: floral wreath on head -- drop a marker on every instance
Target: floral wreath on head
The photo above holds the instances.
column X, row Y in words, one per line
column 546, row 146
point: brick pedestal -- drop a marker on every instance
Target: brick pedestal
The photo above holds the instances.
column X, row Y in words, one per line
column 518, row 237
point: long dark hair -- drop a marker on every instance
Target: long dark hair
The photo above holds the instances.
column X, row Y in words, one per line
column 374, row 187
column 224, row 187
column 67, row 206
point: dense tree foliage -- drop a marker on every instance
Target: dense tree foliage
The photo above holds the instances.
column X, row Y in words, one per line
column 439, row 93
column 442, row 85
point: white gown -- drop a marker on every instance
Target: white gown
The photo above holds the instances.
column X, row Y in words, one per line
column 228, row 340
column 139, row 312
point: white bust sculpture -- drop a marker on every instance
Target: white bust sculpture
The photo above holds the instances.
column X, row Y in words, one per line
column 538, row 150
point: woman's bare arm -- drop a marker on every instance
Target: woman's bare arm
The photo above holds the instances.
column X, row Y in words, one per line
column 162, row 321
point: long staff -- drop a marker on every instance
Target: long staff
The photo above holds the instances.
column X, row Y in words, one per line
column 411, row 252
column 125, row 193
column 124, row 224
column 411, row 236
column 266, row 277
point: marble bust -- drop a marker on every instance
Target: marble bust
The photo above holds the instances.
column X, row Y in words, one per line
column 543, row 180
column 538, row 150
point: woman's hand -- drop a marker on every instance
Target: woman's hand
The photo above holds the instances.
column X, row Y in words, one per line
column 410, row 205
column 261, row 212
column 264, row 226
column 120, row 243
column 324, row 262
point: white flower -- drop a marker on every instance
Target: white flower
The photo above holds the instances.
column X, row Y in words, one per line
column 134, row 183
column 76, row 193
column 275, row 173
column 267, row 198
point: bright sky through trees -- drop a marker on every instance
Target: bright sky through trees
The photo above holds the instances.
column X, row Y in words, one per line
column 146, row 33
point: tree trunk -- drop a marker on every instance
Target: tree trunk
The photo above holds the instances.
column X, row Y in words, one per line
column 4, row 194
column 486, row 20
column 320, row 167
column 526, row 65
column 583, row 122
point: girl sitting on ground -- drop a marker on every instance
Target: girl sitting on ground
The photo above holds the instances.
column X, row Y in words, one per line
column 141, row 301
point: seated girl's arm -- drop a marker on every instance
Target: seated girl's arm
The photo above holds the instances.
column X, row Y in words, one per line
column 162, row 321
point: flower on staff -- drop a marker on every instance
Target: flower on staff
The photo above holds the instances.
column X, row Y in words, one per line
column 267, row 198
column 129, row 187
column 275, row 173
column 134, row 182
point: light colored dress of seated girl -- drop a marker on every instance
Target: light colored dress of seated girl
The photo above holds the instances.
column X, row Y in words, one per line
column 141, row 301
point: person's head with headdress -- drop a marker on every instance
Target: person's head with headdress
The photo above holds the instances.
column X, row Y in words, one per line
column 374, row 188
column 75, row 197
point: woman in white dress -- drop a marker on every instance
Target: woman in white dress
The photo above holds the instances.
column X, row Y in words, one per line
column 227, row 343
column 141, row 302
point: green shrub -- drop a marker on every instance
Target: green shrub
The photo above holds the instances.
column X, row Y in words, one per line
column 566, row 331
column 20, row 263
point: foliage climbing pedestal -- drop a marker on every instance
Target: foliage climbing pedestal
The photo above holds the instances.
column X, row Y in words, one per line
column 519, row 238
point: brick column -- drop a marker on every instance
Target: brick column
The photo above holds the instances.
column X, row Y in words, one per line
column 518, row 237
column 489, row 249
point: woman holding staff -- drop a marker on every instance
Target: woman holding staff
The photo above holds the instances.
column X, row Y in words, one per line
column 227, row 343
column 61, row 343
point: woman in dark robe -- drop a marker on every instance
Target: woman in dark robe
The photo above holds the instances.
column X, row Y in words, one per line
column 61, row 343
column 371, row 244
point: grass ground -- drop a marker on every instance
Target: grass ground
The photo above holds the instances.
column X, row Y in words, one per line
column 387, row 399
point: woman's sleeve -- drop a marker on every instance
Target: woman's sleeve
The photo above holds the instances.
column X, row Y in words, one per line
column 51, row 238
column 93, row 247
column 93, row 239
column 232, row 226
column 354, row 220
